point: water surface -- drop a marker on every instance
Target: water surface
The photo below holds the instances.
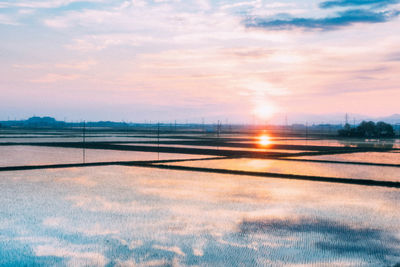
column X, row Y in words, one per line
column 138, row 216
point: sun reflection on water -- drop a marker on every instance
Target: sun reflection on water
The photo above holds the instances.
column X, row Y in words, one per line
column 264, row 140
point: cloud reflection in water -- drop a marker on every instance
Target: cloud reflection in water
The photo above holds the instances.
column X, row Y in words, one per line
column 136, row 216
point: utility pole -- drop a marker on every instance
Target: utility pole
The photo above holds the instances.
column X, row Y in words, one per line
column 218, row 132
column 83, row 141
column 158, row 141
column 286, row 125
column 307, row 130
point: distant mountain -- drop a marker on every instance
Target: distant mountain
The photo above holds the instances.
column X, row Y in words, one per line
column 392, row 119
column 41, row 121
column 34, row 122
column 277, row 119
column 333, row 118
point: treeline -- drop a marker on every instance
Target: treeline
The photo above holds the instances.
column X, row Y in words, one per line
column 368, row 130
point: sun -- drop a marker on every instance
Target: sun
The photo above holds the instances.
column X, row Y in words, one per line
column 264, row 110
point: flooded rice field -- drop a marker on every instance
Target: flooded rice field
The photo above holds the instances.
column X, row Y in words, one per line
column 301, row 168
column 134, row 209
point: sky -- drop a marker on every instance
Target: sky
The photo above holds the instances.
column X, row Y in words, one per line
column 166, row 60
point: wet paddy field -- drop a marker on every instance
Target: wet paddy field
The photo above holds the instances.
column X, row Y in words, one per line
column 120, row 198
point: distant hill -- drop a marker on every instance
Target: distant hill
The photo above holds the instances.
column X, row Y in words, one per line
column 392, row 119
column 338, row 119
column 50, row 122
column 333, row 118
column 42, row 121
column 34, row 122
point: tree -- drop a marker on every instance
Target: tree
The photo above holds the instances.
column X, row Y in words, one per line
column 384, row 129
column 368, row 130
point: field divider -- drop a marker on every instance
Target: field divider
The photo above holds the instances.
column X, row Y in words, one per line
column 95, row 164
column 340, row 162
column 365, row 182
column 160, row 164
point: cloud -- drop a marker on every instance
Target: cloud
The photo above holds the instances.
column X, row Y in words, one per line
column 241, row 4
column 42, row 4
column 344, row 3
column 102, row 41
column 8, row 20
column 340, row 19
column 203, row 4
column 53, row 78
column 393, row 56
column 81, row 65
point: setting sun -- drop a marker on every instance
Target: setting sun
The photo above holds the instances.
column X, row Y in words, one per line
column 264, row 110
